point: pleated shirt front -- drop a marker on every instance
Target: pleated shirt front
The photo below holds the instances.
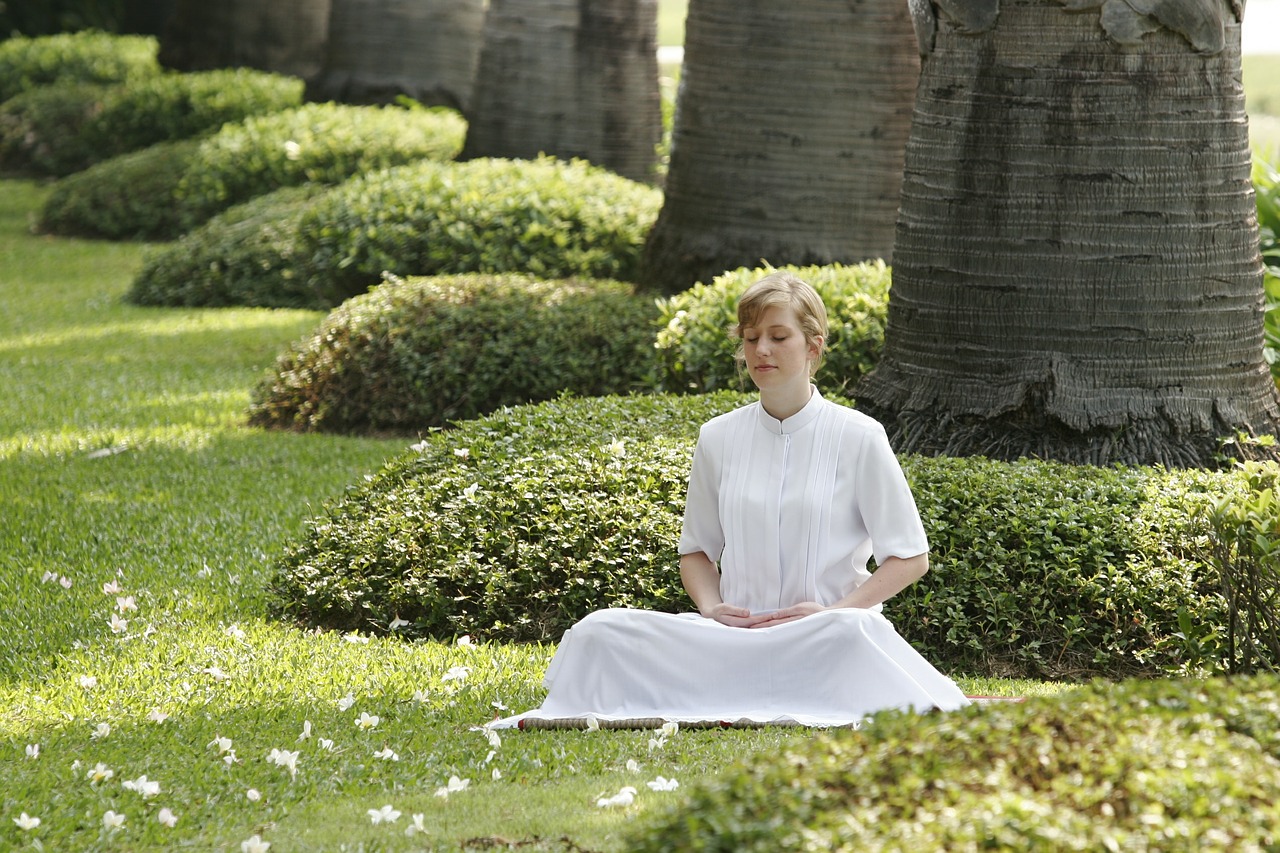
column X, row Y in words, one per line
column 792, row 510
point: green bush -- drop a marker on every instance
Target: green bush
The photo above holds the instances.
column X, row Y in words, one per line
column 221, row 263
column 545, row 217
column 414, row 354
column 126, row 197
column 83, row 57
column 1157, row 765
column 696, row 353
column 64, row 128
column 1039, row 570
column 316, row 143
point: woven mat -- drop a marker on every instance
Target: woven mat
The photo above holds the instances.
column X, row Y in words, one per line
column 534, row 723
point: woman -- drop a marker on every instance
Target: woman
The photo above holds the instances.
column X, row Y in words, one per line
column 788, row 499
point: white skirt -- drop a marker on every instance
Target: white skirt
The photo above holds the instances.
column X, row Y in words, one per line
column 832, row 668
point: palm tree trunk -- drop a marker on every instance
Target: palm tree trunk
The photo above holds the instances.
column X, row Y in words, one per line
column 1077, row 273
column 381, row 49
column 788, row 139
column 569, row 78
column 284, row 36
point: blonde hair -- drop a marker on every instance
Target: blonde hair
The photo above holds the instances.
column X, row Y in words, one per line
column 789, row 290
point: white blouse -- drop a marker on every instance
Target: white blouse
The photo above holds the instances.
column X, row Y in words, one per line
column 792, row 510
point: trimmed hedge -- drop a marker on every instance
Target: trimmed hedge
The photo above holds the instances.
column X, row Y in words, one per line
column 83, row 57
column 1167, row 765
column 60, row 129
column 695, row 354
column 547, row 218
column 1039, row 570
column 419, row 353
column 316, row 143
column 221, row 262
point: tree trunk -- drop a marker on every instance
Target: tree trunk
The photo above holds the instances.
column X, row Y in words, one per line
column 284, row 36
column 788, row 138
column 569, row 78
column 381, row 49
column 1077, row 273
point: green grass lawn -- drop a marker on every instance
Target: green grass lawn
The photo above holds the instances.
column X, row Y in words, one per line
column 141, row 520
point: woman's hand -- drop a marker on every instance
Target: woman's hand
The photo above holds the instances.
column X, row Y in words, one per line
column 788, row 614
column 734, row 617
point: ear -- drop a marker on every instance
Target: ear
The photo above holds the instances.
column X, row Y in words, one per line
column 816, row 343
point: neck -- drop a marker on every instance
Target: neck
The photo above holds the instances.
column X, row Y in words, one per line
column 782, row 403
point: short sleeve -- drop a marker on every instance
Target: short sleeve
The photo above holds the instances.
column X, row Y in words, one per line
column 702, row 530
column 885, row 501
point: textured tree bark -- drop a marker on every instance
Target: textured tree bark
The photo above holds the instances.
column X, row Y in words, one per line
column 569, row 78
column 381, row 49
column 1076, row 273
column 788, row 139
column 285, row 36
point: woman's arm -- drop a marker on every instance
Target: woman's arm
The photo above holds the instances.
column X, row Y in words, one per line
column 701, row 580
column 886, row 581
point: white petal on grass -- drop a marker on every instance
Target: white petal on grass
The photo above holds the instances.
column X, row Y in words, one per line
column 88, row 682
column 65, row 582
column 462, row 452
column 118, row 625
column 111, row 588
column 386, row 754
column 663, row 784
column 625, row 797
column 255, row 844
column 112, row 820
column 346, row 702
column 386, row 814
column 148, row 788
column 49, row 577
column 26, row 822
column 416, row 826
column 470, row 491
column 455, row 785
column 368, row 721
column 99, row 773
column 422, row 697
column 326, row 744
column 33, row 751
column 235, row 632
column 157, row 716
column 496, row 774
column 216, row 673
column 253, row 795
column 101, row 731
column 633, row 766
column 285, row 758
column 222, row 743
column 167, row 817
column 397, row 623
column 457, row 673
column 353, row 637
column 306, row 730
column 125, row 603
column 593, row 725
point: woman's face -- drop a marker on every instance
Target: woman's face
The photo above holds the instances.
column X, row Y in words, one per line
column 777, row 354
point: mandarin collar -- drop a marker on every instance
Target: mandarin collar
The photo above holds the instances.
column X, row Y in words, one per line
column 796, row 422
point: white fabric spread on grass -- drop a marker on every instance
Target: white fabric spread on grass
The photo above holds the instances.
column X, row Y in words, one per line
column 792, row 510
column 830, row 669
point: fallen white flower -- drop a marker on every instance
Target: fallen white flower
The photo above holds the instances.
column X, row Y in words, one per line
column 663, row 784
column 386, row 814
column 625, row 797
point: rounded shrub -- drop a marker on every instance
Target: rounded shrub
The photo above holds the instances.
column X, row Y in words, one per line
column 315, row 143
column 696, row 353
column 545, row 217
column 221, row 263
column 83, row 57
column 418, row 353
column 126, row 197
column 1168, row 765
column 510, row 526
column 1039, row 570
column 61, row 129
